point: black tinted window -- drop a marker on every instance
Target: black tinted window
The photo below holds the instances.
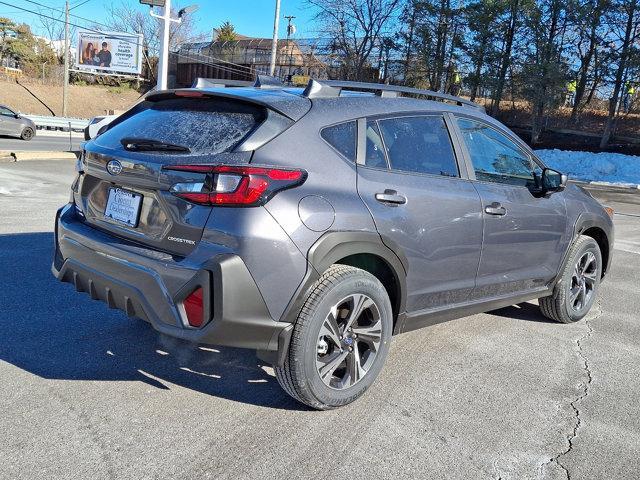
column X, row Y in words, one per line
column 494, row 156
column 204, row 125
column 419, row 144
column 342, row 137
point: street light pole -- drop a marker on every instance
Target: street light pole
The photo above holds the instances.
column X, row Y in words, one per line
column 163, row 59
column 274, row 44
column 65, row 84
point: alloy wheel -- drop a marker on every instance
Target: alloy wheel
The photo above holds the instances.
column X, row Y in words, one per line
column 583, row 281
column 348, row 341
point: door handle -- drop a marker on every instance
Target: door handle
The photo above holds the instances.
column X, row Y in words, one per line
column 495, row 209
column 391, row 196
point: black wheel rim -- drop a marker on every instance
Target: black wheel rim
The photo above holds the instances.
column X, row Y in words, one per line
column 583, row 282
column 348, row 341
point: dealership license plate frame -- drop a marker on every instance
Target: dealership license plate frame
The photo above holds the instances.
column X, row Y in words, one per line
column 130, row 218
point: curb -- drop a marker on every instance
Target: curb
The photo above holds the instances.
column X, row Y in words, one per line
column 7, row 157
column 29, row 155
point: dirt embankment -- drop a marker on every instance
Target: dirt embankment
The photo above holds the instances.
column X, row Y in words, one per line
column 83, row 101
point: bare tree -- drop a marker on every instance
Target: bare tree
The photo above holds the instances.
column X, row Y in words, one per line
column 588, row 22
column 357, row 28
column 545, row 70
column 626, row 15
column 52, row 23
column 512, row 25
column 128, row 17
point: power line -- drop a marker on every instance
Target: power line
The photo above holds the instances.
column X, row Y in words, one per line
column 79, row 4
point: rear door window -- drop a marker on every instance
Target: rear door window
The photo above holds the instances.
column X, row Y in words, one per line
column 203, row 125
column 342, row 137
column 419, row 144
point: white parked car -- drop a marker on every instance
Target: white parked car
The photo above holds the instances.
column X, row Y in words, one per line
column 96, row 124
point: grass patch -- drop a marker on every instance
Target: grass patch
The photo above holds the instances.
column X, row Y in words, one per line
column 119, row 89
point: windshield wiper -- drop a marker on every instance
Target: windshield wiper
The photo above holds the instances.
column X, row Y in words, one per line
column 147, row 145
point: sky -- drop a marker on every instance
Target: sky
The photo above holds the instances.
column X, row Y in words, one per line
column 250, row 17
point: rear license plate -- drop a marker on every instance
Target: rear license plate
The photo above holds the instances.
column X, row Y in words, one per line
column 123, row 206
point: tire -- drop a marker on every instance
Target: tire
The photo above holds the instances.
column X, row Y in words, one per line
column 27, row 133
column 576, row 290
column 349, row 362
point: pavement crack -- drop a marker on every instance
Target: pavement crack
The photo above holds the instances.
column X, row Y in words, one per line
column 584, row 392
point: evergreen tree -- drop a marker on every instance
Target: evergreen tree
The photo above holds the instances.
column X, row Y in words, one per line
column 227, row 33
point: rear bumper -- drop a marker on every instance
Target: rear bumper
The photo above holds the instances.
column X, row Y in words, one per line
column 151, row 285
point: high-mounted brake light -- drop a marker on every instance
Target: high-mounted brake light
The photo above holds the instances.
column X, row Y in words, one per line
column 238, row 186
column 187, row 93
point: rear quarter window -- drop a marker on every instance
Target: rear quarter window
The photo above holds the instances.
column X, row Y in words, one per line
column 342, row 137
column 204, row 125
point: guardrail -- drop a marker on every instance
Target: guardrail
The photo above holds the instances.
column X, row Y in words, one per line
column 58, row 123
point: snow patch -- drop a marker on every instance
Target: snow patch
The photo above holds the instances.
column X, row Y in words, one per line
column 609, row 168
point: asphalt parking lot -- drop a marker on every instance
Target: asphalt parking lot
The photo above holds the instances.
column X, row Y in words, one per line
column 88, row 393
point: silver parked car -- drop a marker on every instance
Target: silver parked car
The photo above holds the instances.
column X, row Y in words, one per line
column 14, row 124
column 312, row 225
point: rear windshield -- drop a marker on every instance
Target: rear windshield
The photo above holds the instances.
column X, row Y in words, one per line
column 204, row 126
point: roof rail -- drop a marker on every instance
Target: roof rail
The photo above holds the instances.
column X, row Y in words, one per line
column 333, row 88
column 202, row 82
column 266, row 81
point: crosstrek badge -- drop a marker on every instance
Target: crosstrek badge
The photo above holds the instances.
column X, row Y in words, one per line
column 181, row 240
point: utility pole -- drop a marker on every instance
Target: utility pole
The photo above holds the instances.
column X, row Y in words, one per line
column 274, row 44
column 291, row 29
column 65, row 84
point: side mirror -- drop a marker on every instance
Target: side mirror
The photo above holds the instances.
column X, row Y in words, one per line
column 553, row 181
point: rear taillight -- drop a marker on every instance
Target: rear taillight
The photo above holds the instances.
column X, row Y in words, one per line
column 235, row 186
column 194, row 308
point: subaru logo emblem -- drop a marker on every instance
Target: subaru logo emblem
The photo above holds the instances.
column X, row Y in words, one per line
column 114, row 167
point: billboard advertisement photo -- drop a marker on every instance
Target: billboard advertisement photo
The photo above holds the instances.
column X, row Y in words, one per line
column 109, row 52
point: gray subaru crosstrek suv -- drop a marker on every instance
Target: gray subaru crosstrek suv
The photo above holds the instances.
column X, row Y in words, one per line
column 312, row 225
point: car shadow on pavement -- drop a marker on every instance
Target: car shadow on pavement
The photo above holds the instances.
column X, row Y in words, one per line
column 523, row 311
column 48, row 329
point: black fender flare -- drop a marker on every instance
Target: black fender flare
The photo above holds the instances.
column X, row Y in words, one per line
column 585, row 221
column 334, row 246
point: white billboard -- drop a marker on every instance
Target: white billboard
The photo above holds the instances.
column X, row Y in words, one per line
column 109, row 52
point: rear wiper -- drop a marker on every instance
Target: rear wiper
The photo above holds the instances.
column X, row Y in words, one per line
column 147, row 145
